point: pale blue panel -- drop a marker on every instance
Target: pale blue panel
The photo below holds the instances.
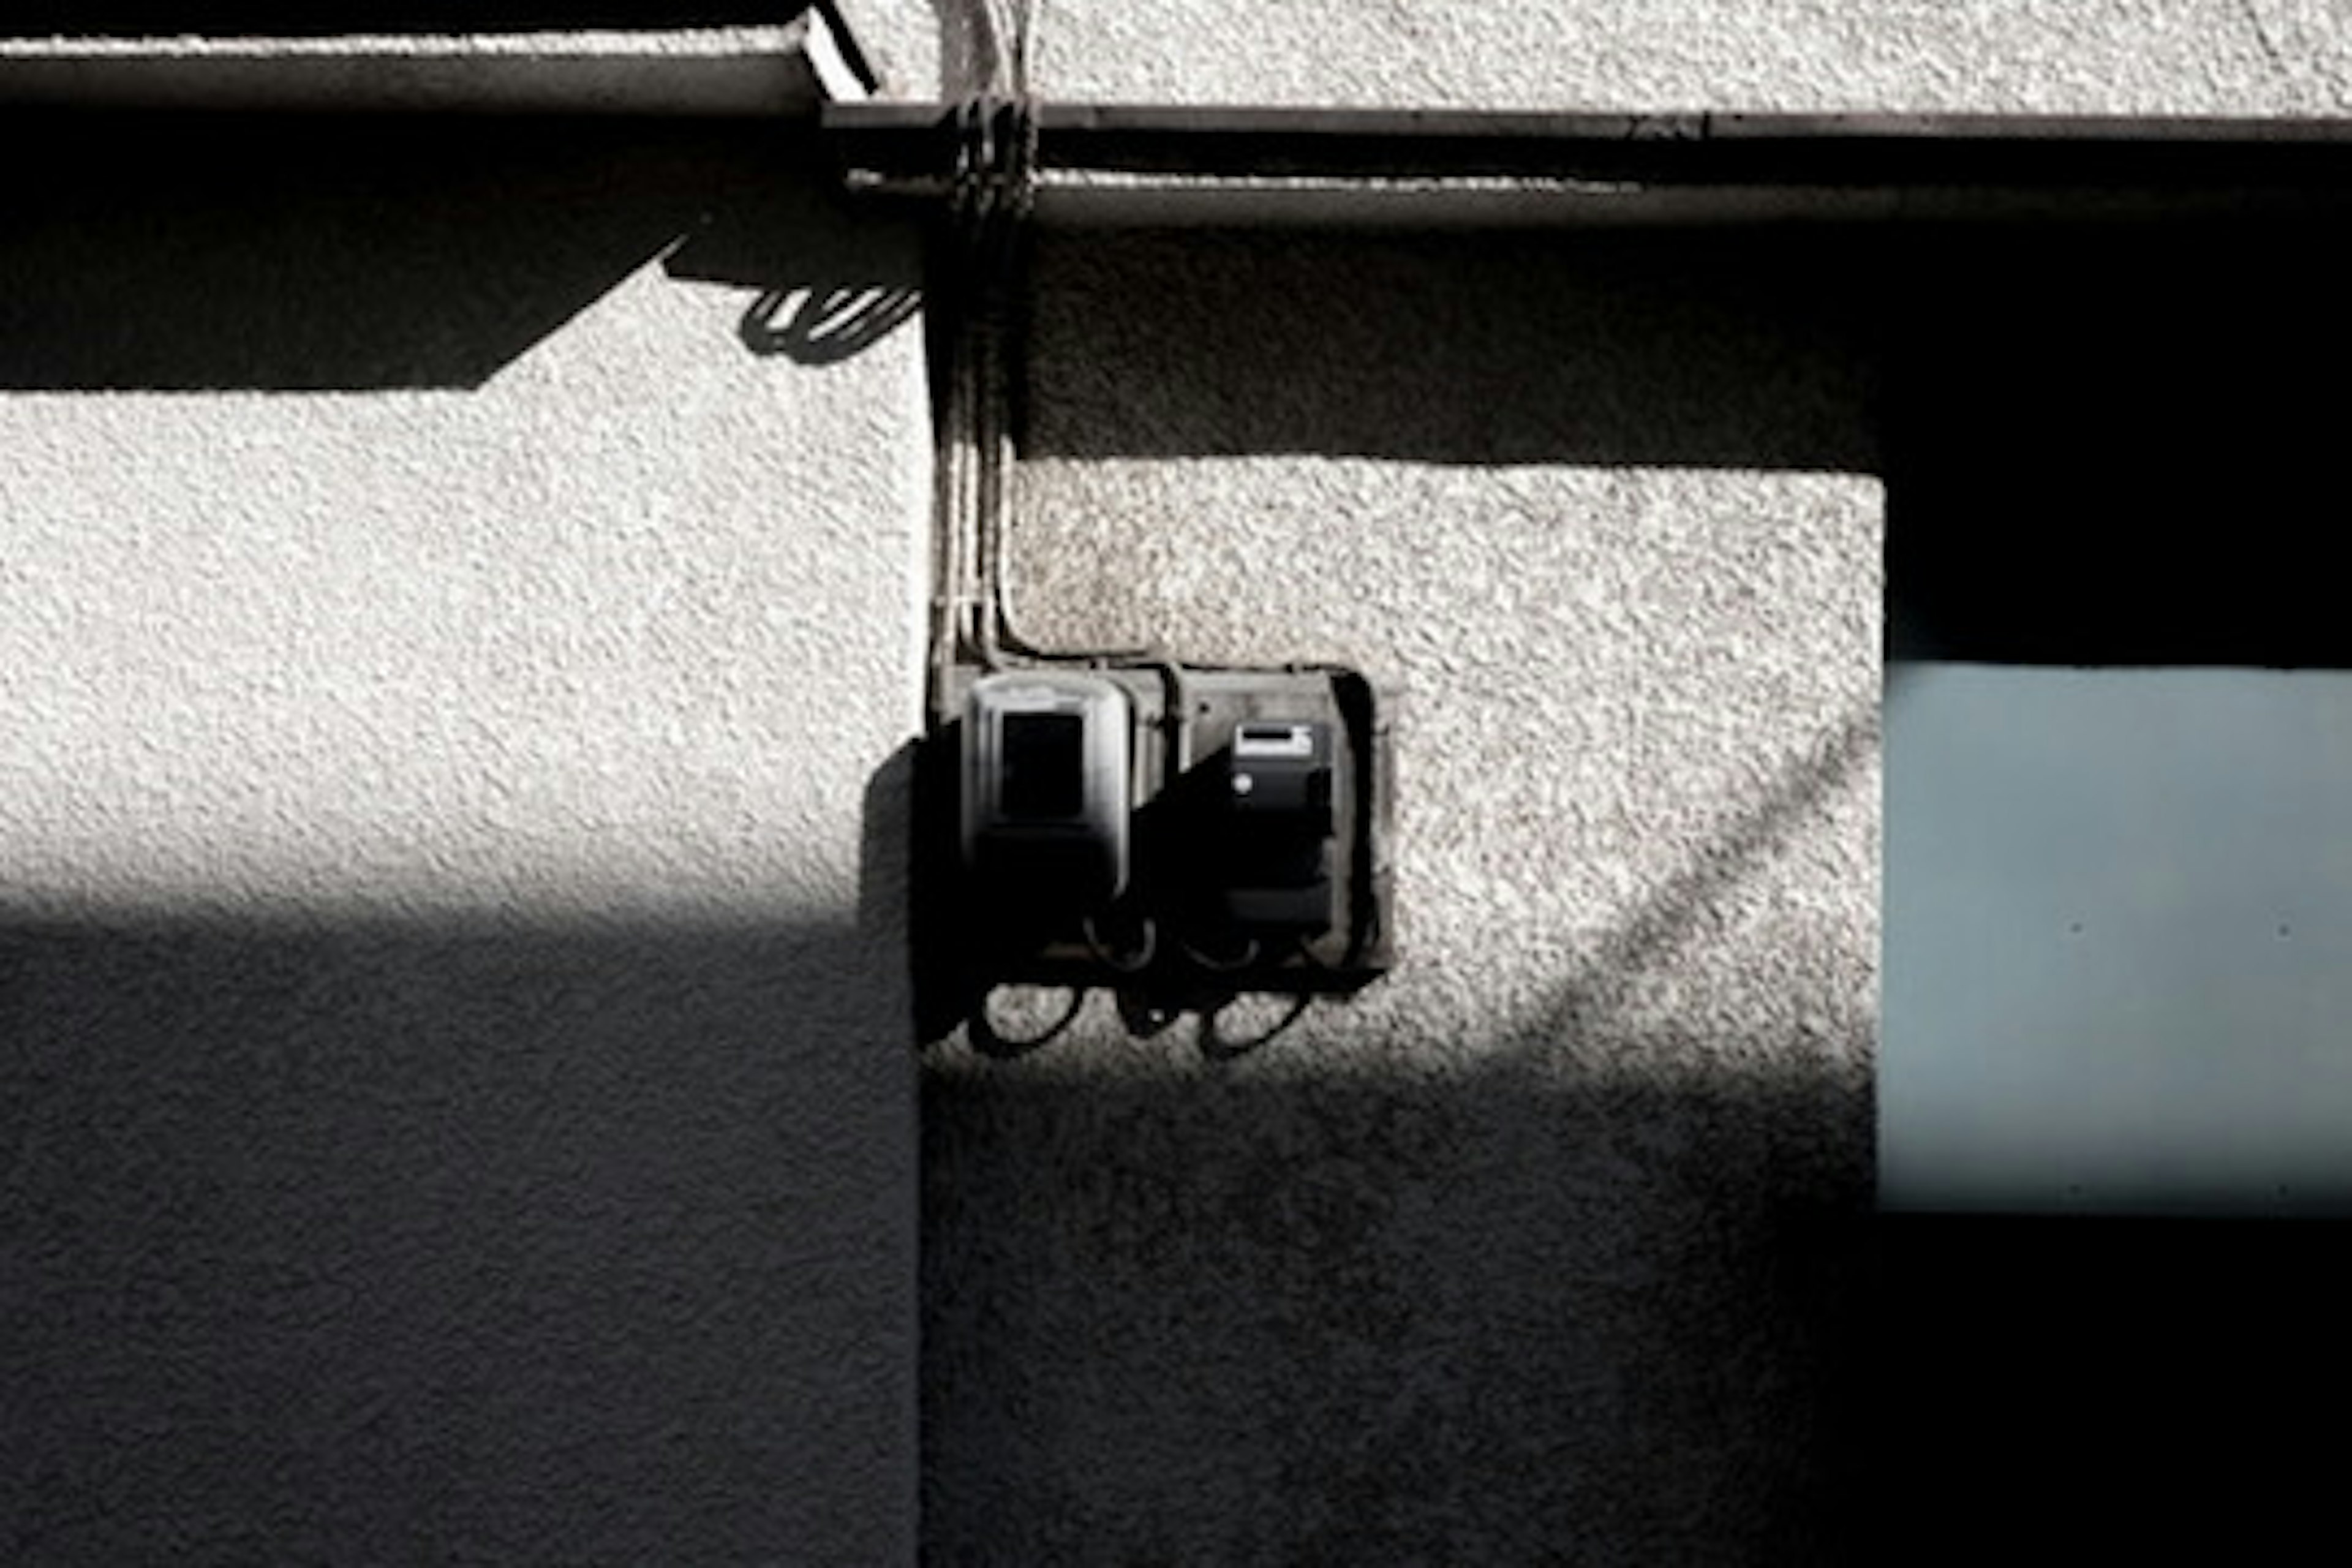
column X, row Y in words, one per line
column 2119, row 930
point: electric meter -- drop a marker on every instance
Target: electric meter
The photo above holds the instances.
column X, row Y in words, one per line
column 1046, row 796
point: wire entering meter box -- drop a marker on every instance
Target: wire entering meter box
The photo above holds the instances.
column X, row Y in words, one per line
column 1182, row 835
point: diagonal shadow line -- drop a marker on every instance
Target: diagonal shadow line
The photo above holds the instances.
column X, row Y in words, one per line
column 1666, row 921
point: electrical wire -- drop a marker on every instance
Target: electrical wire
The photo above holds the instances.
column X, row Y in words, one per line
column 992, row 196
column 993, row 200
column 1135, row 960
column 1249, row 950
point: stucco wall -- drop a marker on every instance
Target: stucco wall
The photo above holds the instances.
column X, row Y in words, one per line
column 1548, row 1248
column 454, row 1101
column 1545, row 1248
column 2003, row 56
column 1539, row 1250
column 458, row 640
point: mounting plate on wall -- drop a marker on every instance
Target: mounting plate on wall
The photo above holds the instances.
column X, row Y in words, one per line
column 1181, row 836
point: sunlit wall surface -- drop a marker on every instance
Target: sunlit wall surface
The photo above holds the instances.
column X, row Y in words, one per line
column 1542, row 1249
column 457, row 629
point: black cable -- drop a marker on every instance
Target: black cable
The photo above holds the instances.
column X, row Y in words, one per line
column 1133, row 963
column 1250, row 954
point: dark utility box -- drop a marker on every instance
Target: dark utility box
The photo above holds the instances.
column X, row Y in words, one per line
column 1273, row 860
column 1180, row 834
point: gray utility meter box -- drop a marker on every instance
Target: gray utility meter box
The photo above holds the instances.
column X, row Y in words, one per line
column 1046, row 791
column 1182, row 835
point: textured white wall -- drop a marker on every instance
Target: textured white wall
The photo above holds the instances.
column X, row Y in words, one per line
column 448, row 689
column 452, row 1010
column 1551, row 1247
column 1538, row 1250
column 543, row 646
column 2123, row 57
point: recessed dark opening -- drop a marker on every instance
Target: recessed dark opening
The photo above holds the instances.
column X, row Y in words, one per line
column 1045, row 775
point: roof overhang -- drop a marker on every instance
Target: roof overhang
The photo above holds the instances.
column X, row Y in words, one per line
column 785, row 68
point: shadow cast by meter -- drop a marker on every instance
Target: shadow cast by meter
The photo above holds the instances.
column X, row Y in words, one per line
column 340, row 1238
column 377, row 253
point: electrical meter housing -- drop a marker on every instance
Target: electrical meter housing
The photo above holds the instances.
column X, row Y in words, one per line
column 1179, row 834
column 1046, row 796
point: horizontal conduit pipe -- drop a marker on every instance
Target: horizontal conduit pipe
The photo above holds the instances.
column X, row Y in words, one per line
column 1109, row 148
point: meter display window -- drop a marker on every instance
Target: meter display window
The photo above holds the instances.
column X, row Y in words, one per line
column 1044, row 770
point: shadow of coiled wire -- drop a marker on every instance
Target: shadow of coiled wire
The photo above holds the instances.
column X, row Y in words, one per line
column 827, row 323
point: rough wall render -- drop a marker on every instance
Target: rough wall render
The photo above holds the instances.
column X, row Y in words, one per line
column 461, row 611
column 2000, row 57
column 1540, row 1250
column 459, row 621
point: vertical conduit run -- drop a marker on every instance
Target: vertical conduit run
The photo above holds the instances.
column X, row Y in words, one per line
column 979, row 284
column 979, row 257
column 977, row 270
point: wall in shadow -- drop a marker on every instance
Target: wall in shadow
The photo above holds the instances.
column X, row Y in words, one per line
column 2109, row 446
column 1531, row 1256
column 1589, row 1288
column 2060, row 1388
column 2119, row 445
column 2067, row 416
column 1554, row 1308
column 1507, row 1316
column 1520, row 1316
column 354, row 1241
column 1505, row 1320
column 1735, row 347
column 496, row 1238
column 234, row 253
